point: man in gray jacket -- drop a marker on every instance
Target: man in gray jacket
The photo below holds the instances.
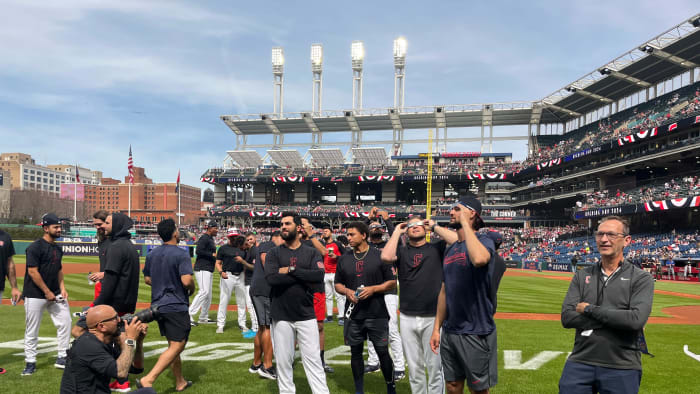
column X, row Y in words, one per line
column 608, row 305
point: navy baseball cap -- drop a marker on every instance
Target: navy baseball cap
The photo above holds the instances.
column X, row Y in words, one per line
column 472, row 203
column 48, row 219
column 496, row 237
column 212, row 224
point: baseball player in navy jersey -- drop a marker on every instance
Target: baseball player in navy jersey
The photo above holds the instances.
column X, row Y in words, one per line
column 44, row 290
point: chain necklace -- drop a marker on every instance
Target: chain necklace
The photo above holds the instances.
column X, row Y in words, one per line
column 363, row 256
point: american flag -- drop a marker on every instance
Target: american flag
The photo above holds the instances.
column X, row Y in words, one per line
column 130, row 166
column 177, row 187
column 77, row 174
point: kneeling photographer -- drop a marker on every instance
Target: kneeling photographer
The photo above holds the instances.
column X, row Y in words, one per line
column 93, row 359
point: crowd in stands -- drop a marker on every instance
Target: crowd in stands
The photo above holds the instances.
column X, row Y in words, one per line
column 646, row 248
column 675, row 188
column 676, row 105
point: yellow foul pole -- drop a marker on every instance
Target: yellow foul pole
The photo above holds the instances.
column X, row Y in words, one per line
column 429, row 191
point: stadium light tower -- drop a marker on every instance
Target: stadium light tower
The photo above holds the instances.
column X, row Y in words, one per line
column 399, row 71
column 278, row 82
column 316, row 70
column 357, row 53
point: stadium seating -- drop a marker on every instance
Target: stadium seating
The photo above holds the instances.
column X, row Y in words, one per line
column 667, row 108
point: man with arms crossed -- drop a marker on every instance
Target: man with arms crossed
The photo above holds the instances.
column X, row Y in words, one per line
column 293, row 270
column 364, row 278
column 203, row 269
column 465, row 310
column 608, row 304
column 260, row 294
column 419, row 266
column 168, row 270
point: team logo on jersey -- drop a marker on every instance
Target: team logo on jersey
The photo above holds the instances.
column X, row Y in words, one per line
column 359, row 267
column 293, row 262
column 319, row 264
column 2, row 243
column 417, row 258
column 588, row 279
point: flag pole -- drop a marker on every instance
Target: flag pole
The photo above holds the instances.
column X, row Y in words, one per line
column 178, row 189
column 129, row 199
column 75, row 201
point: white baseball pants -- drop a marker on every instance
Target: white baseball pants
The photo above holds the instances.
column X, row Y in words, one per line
column 203, row 298
column 328, row 281
column 415, row 335
column 251, row 310
column 392, row 304
column 226, row 287
column 34, row 311
column 305, row 332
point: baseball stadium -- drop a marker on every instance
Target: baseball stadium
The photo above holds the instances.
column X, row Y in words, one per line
column 622, row 140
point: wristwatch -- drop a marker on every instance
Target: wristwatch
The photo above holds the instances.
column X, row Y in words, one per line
column 588, row 308
column 130, row 342
column 292, row 268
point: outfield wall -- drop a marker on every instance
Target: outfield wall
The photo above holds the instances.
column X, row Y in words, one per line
column 72, row 248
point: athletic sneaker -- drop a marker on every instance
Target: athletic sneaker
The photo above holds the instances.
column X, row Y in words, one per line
column 120, row 387
column 341, row 321
column 255, row 368
column 193, row 323
column 398, row 375
column 371, row 368
column 328, row 369
column 207, row 321
column 29, row 369
column 60, row 363
column 267, row 373
column 219, row 330
column 2, row 371
column 328, row 319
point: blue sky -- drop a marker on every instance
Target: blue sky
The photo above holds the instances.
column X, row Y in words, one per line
column 81, row 80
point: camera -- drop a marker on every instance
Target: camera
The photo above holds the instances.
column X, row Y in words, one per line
column 145, row 316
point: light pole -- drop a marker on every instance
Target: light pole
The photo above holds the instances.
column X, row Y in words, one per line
column 317, row 70
column 399, row 72
column 278, row 81
column 357, row 53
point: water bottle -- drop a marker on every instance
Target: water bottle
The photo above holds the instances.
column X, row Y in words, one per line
column 90, row 281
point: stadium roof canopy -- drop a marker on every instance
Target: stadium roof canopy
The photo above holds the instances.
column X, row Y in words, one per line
column 664, row 56
column 245, row 158
column 369, row 156
column 286, row 158
column 327, row 157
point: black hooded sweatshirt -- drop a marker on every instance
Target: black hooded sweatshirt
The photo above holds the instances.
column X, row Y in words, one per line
column 121, row 281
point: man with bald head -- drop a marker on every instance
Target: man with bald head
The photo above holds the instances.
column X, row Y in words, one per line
column 92, row 359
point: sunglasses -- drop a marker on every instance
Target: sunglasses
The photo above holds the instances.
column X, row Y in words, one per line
column 414, row 224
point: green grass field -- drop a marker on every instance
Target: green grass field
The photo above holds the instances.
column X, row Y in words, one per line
column 531, row 353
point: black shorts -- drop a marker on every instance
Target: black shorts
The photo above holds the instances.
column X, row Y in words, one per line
column 357, row 331
column 261, row 304
column 175, row 326
column 470, row 357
